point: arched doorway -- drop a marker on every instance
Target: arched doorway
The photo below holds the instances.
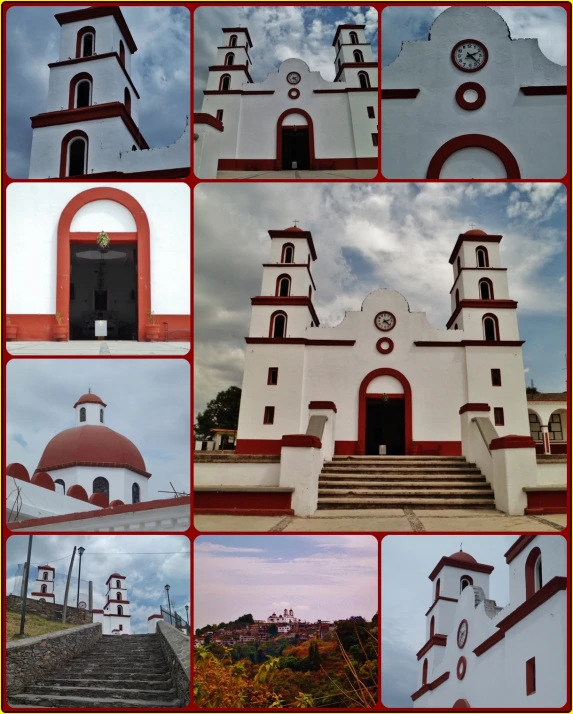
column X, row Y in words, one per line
column 295, row 143
column 134, row 252
column 385, row 418
column 492, row 146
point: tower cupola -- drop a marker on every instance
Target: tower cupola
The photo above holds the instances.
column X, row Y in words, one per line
column 90, row 410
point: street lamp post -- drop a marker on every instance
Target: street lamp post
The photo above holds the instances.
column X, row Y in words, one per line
column 81, row 552
column 169, row 605
column 187, row 616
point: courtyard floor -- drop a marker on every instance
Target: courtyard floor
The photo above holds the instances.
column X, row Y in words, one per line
column 93, row 348
column 386, row 521
column 266, row 175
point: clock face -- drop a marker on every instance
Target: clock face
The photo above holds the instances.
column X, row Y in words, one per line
column 469, row 55
column 385, row 321
column 293, row 77
column 82, row 605
column 462, row 633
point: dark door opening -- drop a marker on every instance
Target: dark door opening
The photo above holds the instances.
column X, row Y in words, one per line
column 385, row 425
column 295, row 148
column 103, row 286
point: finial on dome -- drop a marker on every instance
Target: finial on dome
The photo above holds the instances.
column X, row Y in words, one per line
column 89, row 390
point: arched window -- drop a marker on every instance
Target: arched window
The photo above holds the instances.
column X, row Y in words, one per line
column 44, row 589
column 535, row 430
column 127, row 100
column 490, row 328
column 83, row 94
column 230, row 58
column 44, row 577
column 119, row 610
column 101, row 485
column 358, row 56
column 456, row 326
column 117, row 584
column 486, row 289
column 233, row 41
column 432, row 625
column 283, row 286
column 425, row 672
column 85, row 43
column 135, row 493
column 118, row 596
column 437, row 588
column 364, row 80
column 533, row 572
column 288, row 253
column 353, row 38
column 459, row 265
column 101, row 416
column 121, row 53
column 77, row 157
column 82, row 414
column 61, row 483
column 465, row 580
column 278, row 324
column 225, row 83
column 556, row 431
column 482, row 258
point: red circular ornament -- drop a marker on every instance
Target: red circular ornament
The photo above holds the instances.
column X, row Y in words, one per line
column 384, row 345
column 477, row 103
column 461, row 668
column 294, row 93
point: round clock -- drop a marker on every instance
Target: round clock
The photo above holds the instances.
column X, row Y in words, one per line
column 82, row 605
column 385, row 321
column 462, row 633
column 469, row 55
column 293, row 77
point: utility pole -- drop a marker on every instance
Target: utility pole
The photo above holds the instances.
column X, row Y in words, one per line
column 81, row 552
column 68, row 585
column 25, row 586
column 169, row 605
column 91, row 596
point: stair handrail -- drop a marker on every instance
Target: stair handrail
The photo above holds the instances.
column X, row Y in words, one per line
column 476, row 422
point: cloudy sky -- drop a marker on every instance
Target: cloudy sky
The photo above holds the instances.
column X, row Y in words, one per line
column 160, row 71
column 407, row 594
column 148, row 563
column 278, row 33
column 547, row 24
column 369, row 236
column 319, row 577
column 147, row 401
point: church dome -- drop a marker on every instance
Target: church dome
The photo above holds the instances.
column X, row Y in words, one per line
column 89, row 399
column 475, row 232
column 465, row 557
column 91, row 445
column 293, row 229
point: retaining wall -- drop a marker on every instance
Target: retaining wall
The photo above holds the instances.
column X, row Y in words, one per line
column 176, row 648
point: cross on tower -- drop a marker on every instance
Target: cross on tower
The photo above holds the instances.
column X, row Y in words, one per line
column 296, row 221
column 472, row 226
column 89, row 390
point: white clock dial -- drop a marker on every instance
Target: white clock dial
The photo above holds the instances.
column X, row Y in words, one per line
column 462, row 633
column 469, row 55
column 385, row 321
column 293, row 77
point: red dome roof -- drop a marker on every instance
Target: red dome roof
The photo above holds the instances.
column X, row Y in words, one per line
column 475, row 232
column 89, row 399
column 465, row 557
column 293, row 228
column 91, row 445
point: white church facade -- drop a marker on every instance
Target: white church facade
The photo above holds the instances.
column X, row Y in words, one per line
column 294, row 119
column 471, row 102
column 91, row 123
column 479, row 655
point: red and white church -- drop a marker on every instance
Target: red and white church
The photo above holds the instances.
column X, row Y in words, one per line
column 91, row 123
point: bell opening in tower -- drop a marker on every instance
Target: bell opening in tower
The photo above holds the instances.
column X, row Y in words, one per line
column 295, row 148
column 385, row 426
column 103, row 287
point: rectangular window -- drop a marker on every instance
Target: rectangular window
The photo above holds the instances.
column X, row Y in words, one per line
column 535, row 427
column 273, row 377
column 375, row 139
column 498, row 416
column 496, row 377
column 220, row 114
column 370, row 112
column 530, row 676
column 269, row 415
column 555, row 428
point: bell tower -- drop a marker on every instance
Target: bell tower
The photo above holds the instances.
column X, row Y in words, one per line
column 354, row 61
column 92, row 99
column 231, row 69
column 90, row 410
column 116, row 610
column 44, row 585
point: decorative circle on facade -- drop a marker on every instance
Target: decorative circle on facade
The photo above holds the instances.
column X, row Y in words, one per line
column 384, row 345
column 461, row 668
column 462, row 634
column 469, row 55
column 293, row 77
column 467, row 103
column 385, row 321
column 294, row 93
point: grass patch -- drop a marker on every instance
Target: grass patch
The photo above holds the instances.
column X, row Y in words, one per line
column 34, row 626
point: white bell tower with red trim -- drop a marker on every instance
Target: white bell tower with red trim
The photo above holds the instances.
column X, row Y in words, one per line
column 232, row 66
column 44, row 585
column 354, row 57
column 115, row 616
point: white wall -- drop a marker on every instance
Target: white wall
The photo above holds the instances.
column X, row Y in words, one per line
column 108, row 36
column 239, row 474
column 120, row 480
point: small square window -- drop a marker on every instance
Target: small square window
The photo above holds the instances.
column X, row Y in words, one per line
column 370, row 112
column 530, row 676
column 375, row 139
column 496, row 377
column 269, row 415
column 498, row 416
column 273, row 377
column 220, row 114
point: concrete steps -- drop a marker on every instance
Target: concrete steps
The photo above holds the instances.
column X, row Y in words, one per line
column 127, row 671
column 368, row 482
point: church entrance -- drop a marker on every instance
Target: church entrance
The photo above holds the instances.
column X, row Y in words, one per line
column 103, row 286
column 295, row 148
column 385, row 425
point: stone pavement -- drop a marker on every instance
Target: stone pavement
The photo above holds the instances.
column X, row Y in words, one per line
column 93, row 348
column 325, row 175
column 463, row 520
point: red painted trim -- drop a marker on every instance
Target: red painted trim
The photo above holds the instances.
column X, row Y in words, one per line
column 330, row 164
column 66, row 141
column 530, row 676
column 86, row 515
column 87, row 30
column 154, row 617
column 532, row 557
column 520, row 544
column 362, row 396
column 428, row 687
column 389, row 345
column 441, row 448
column 298, row 341
column 323, row 405
column 290, row 265
column 460, row 270
column 461, row 704
column 231, row 68
column 469, row 69
column 46, row 567
column 294, row 93
column 461, row 667
column 310, row 125
column 260, row 447
column 99, row 499
column 18, row 471
column 512, row 441
column 400, row 93
column 44, row 480
column 480, row 141
column 544, row 91
column 347, row 27
column 306, row 441
column 354, row 65
column 239, row 29
column 540, row 502
column 115, row 575
column 477, row 103
column 473, row 239
column 440, row 597
column 74, row 83
column 99, row 11
column 244, row 92
column 143, row 251
column 289, row 300
column 44, row 594
column 237, row 502
column 461, row 564
column 481, row 304
column 473, row 343
column 277, row 284
column 75, row 491
column 345, row 90
column 437, row 640
column 292, row 235
column 106, row 55
column 554, row 586
column 346, row 448
column 474, row 407
column 98, row 611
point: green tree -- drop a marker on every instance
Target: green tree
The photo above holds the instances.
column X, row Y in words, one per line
column 220, row 413
column 272, row 630
column 313, row 656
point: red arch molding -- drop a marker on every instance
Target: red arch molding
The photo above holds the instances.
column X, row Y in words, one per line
column 141, row 237
column 480, row 141
column 381, row 372
column 306, row 115
column 76, row 133
column 74, row 83
column 461, row 704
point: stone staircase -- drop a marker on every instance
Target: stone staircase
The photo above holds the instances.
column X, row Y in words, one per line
column 357, row 482
column 120, row 672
